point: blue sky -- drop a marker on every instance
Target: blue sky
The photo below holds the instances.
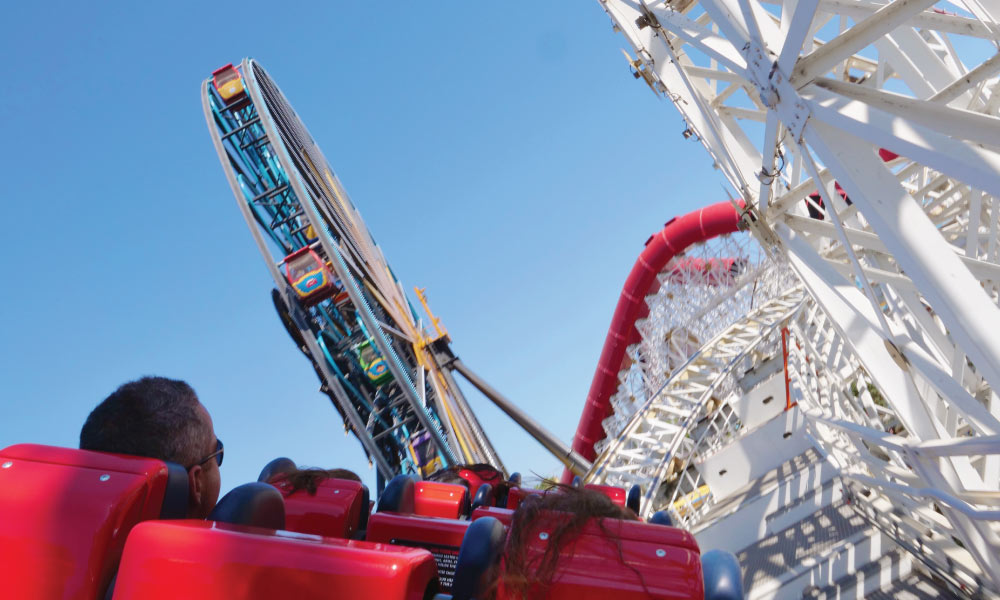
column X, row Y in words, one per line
column 502, row 155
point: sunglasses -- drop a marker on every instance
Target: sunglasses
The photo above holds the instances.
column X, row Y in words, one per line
column 217, row 455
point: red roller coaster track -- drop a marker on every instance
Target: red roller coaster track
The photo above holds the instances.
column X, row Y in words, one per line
column 677, row 235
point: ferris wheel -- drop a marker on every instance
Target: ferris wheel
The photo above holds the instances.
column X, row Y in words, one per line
column 334, row 292
column 863, row 140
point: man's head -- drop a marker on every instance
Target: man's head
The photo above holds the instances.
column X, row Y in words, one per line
column 160, row 418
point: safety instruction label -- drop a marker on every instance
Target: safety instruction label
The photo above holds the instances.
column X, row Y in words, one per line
column 446, row 558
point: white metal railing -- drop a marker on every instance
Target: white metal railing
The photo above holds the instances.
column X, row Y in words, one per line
column 897, row 470
column 656, row 445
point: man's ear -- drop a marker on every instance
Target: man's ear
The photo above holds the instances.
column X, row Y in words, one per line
column 196, row 489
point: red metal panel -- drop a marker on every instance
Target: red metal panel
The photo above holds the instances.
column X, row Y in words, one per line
column 64, row 517
column 442, row 537
column 698, row 226
column 623, row 560
column 436, row 499
column 199, row 560
column 334, row 511
column 386, row 527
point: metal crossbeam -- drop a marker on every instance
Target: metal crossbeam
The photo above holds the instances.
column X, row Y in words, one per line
column 896, row 105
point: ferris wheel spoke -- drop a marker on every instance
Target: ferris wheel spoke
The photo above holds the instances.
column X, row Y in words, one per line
column 917, row 247
column 728, row 16
column 881, row 22
column 851, row 314
column 963, row 160
column 797, row 32
column 660, row 66
column 873, row 130
column 935, row 116
column 915, row 475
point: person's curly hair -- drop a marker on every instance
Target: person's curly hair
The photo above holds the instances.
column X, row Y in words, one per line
column 526, row 574
column 309, row 479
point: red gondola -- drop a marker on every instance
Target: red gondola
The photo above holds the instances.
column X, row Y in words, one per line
column 310, row 276
column 229, row 84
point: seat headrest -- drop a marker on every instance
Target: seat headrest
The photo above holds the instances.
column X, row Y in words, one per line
column 484, row 496
column 634, row 498
column 722, row 575
column 481, row 548
column 365, row 508
column 278, row 466
column 398, row 496
column 175, row 497
column 256, row 504
column 661, row 517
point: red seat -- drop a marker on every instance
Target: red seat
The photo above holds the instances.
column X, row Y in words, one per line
column 474, row 479
column 616, row 494
column 338, row 509
column 436, row 499
column 442, row 537
column 517, row 495
column 65, row 514
column 606, row 560
column 201, row 560
column 504, row 515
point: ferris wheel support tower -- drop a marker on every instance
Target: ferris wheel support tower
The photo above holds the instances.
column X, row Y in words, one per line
column 864, row 138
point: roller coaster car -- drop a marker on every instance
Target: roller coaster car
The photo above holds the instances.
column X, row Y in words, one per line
column 310, row 277
column 713, row 271
column 692, row 501
column 372, row 362
column 229, row 83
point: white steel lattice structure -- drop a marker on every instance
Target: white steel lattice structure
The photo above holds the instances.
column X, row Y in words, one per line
column 701, row 292
column 864, row 138
column 653, row 445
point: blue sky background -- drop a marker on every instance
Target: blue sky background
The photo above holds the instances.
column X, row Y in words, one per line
column 502, row 155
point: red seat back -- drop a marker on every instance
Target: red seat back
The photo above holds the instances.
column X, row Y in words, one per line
column 436, row 499
column 334, row 511
column 504, row 515
column 201, row 560
column 517, row 495
column 65, row 514
column 624, row 560
column 616, row 494
column 442, row 537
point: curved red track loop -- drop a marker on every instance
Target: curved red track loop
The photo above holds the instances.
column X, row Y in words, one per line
column 677, row 235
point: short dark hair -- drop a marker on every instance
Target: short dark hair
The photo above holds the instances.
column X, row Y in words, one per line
column 152, row 416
